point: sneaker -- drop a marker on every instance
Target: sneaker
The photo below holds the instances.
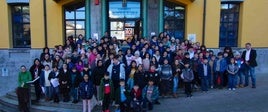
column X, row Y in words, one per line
column 233, row 88
column 229, row 89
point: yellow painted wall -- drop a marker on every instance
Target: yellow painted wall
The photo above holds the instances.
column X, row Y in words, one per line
column 212, row 23
column 194, row 19
column 54, row 23
column 254, row 24
column 37, row 24
column 5, row 29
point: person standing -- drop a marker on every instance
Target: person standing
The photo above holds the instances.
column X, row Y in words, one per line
column 249, row 55
column 86, row 91
column 188, row 76
column 36, row 70
column 23, row 91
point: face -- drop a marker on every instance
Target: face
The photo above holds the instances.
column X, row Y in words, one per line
column 140, row 68
column 106, row 77
column 133, row 64
column 122, row 83
column 100, row 63
column 187, row 65
column 86, row 77
column 165, row 61
column 136, row 87
column 205, row 61
column 232, row 60
column 37, row 62
column 64, row 66
column 23, row 69
column 248, row 47
column 46, row 67
column 115, row 61
column 74, row 70
column 151, row 83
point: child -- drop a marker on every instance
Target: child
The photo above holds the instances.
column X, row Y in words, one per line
column 45, row 83
column 136, row 98
column 150, row 94
column 212, row 79
column 165, row 78
column 220, row 67
column 54, row 79
column 187, row 76
column 106, row 92
column 241, row 65
column 86, row 92
column 76, row 79
column 232, row 70
column 122, row 96
column 204, row 72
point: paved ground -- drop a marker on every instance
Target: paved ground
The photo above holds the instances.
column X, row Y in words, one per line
column 240, row 100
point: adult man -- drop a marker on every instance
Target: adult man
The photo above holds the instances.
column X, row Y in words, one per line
column 249, row 55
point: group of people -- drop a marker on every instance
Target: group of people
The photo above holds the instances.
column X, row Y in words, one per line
column 131, row 74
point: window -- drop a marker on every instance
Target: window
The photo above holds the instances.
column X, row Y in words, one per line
column 174, row 20
column 229, row 24
column 75, row 20
column 21, row 26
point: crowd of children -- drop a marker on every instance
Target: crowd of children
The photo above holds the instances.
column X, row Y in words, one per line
column 133, row 73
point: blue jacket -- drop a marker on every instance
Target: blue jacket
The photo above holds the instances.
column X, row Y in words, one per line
column 155, row 93
column 42, row 78
column 201, row 70
column 86, row 90
column 223, row 65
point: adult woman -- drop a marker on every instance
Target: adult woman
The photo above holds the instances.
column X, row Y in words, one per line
column 23, row 91
column 36, row 70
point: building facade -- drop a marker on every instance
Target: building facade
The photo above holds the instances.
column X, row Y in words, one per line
column 215, row 23
column 27, row 26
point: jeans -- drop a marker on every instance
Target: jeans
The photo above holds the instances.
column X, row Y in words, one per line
column 55, row 93
column 175, row 84
column 74, row 93
column 250, row 72
column 241, row 76
column 204, row 83
column 130, row 83
column 48, row 92
column 232, row 81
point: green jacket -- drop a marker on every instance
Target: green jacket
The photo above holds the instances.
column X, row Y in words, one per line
column 23, row 78
column 101, row 92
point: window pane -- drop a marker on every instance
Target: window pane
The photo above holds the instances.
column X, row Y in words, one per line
column 69, row 14
column 70, row 33
column 25, row 9
column 78, row 32
column 80, row 24
column 26, row 18
column 80, row 15
column 70, row 25
column 20, row 31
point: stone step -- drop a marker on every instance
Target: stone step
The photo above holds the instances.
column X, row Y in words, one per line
column 67, row 105
column 13, row 104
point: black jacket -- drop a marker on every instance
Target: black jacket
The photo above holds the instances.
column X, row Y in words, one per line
column 139, row 79
column 97, row 75
column 252, row 57
column 77, row 79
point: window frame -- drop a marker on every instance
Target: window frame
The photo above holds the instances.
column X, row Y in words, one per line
column 174, row 19
column 229, row 18
column 74, row 8
column 24, row 39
